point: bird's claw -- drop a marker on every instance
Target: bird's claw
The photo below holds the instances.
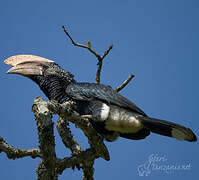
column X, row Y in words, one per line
column 87, row 116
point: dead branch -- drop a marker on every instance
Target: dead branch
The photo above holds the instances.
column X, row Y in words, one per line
column 65, row 110
column 84, row 156
column 13, row 153
column 123, row 85
column 99, row 57
column 67, row 137
column 88, row 169
column 50, row 166
column 43, row 118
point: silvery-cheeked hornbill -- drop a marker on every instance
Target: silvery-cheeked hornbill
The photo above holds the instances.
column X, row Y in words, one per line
column 111, row 114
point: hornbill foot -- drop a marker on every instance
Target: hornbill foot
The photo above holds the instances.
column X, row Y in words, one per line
column 87, row 116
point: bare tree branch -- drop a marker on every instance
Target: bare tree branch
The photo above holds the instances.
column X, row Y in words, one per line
column 88, row 170
column 50, row 166
column 87, row 155
column 13, row 153
column 99, row 64
column 44, row 173
column 99, row 57
column 68, row 140
column 106, row 52
column 123, row 85
column 67, row 137
column 46, row 169
column 65, row 110
column 81, row 45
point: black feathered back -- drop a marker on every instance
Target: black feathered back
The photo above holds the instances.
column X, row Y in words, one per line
column 92, row 91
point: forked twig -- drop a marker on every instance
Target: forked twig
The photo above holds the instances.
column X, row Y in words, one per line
column 100, row 58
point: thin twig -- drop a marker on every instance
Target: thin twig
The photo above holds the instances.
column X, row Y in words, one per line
column 107, row 51
column 99, row 64
column 119, row 88
column 100, row 58
column 13, row 153
column 81, row 45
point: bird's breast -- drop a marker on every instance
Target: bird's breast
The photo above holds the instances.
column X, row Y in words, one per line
column 119, row 119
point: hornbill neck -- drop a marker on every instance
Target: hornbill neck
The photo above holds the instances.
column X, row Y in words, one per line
column 54, row 87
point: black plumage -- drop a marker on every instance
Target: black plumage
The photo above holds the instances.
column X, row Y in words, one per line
column 100, row 92
column 111, row 114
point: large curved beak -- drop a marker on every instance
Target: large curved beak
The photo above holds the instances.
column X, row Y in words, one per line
column 27, row 69
column 26, row 65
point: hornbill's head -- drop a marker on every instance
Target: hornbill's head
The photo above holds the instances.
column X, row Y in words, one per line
column 51, row 78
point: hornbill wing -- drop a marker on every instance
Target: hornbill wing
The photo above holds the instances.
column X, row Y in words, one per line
column 92, row 91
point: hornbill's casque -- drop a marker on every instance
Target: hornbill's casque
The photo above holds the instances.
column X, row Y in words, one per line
column 111, row 114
